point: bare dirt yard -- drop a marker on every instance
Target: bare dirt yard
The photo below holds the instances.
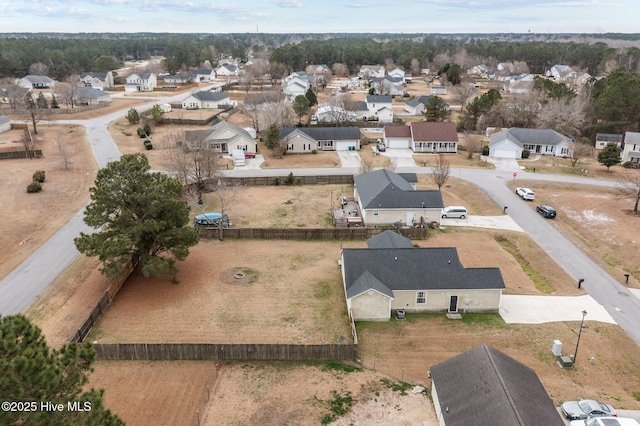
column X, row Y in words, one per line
column 28, row 220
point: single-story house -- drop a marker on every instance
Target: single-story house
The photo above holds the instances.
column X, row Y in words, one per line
column 397, row 136
column 484, row 386
column 416, row 105
column 392, row 275
column 35, row 82
column 511, row 142
column 205, row 99
column 228, row 70
column 97, row 80
column 223, row 137
column 386, row 198
column 203, row 75
column 602, row 139
column 5, row 123
column 182, row 77
column 141, row 82
column 90, row 96
column 434, row 137
column 309, row 139
column 631, row 151
column 438, row 90
column 334, row 114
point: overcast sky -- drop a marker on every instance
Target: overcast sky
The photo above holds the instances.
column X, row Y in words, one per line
column 321, row 16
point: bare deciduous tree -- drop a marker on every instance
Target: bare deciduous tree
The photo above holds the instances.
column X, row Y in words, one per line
column 226, row 195
column 281, row 113
column 564, row 116
column 629, row 188
column 276, row 72
column 38, row 69
column 578, row 150
column 366, row 166
column 471, row 143
column 463, row 92
column 441, row 171
column 195, row 163
column 341, row 70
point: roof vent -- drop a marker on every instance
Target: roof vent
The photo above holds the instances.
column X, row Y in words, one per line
column 395, row 258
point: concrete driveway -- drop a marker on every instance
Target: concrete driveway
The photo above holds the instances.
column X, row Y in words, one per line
column 503, row 164
column 401, row 157
column 349, row 159
column 491, row 222
column 517, row 309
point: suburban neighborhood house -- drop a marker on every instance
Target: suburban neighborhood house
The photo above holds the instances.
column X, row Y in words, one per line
column 222, row 137
column 203, row 75
column 488, row 387
column 602, row 139
column 512, row 142
column 297, row 84
column 90, row 96
column 97, row 80
column 431, row 137
column 377, row 108
column 182, row 77
column 141, row 82
column 371, row 71
column 35, row 82
column 631, row 150
column 393, row 275
column 386, row 198
column 416, row 106
column 308, row 139
column 205, row 99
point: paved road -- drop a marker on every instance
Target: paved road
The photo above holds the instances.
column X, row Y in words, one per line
column 23, row 285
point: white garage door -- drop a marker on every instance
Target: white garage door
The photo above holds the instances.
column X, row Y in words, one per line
column 397, row 143
column 501, row 153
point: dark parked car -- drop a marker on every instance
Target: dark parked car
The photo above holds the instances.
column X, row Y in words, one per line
column 546, row 211
column 577, row 410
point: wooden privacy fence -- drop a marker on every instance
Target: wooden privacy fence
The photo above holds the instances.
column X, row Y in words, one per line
column 309, row 234
column 215, row 351
column 297, row 180
column 108, row 295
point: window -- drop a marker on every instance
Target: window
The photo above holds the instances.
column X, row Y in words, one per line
column 376, row 212
column 421, row 297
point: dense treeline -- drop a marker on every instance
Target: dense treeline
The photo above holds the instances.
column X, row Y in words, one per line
column 67, row 54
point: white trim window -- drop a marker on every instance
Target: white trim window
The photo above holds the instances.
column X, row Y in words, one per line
column 421, row 298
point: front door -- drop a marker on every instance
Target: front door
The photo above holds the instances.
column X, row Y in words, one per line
column 453, row 304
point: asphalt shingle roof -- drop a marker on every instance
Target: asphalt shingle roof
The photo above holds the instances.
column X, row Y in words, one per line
column 609, row 137
column 522, row 136
column 325, row 133
column 389, row 239
column 424, row 100
column 484, row 386
column 379, row 98
column 384, row 189
column 418, row 269
column 444, row 131
column 206, row 95
column 397, row 131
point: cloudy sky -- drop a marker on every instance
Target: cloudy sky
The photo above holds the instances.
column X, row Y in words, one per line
column 321, row 16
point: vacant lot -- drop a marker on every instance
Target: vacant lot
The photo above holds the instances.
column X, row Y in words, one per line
column 28, row 220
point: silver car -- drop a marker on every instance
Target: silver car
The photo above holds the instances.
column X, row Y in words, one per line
column 576, row 410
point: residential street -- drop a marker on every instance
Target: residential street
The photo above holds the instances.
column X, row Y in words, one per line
column 20, row 288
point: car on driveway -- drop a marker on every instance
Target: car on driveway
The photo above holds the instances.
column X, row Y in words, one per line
column 546, row 211
column 249, row 155
column 454, row 211
column 526, row 194
column 585, row 408
column 381, row 147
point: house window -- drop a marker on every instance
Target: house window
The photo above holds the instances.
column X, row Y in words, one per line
column 290, row 146
column 528, row 147
column 376, row 212
column 421, row 297
column 548, row 148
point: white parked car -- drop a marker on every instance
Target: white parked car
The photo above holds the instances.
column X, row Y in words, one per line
column 454, row 211
column 526, row 194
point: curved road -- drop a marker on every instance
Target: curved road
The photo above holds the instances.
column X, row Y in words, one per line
column 20, row 288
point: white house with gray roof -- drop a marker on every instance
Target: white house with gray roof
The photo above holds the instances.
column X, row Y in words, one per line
column 35, row 82
column 223, row 137
column 386, row 198
column 631, row 151
column 90, row 96
column 379, row 108
column 205, row 99
column 511, row 142
column 141, row 82
column 97, row 80
column 602, row 139
column 391, row 275
column 305, row 140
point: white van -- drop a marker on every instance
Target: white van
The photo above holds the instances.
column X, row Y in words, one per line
column 454, row 212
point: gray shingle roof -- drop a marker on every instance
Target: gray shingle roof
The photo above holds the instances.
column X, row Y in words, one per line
column 522, row 136
column 484, row 386
column 89, row 93
column 102, row 76
column 389, row 239
column 325, row 133
column 609, row 137
column 424, row 100
column 418, row 269
column 631, row 137
column 206, row 95
column 379, row 98
column 384, row 189
column 38, row 79
column 366, row 282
